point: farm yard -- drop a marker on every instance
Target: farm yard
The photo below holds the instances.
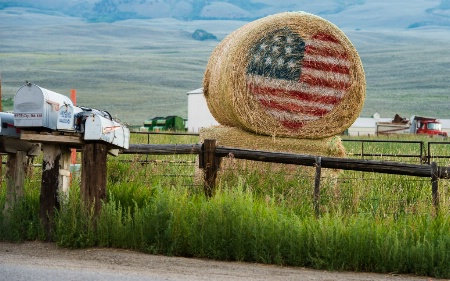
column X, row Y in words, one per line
column 155, row 204
column 275, row 184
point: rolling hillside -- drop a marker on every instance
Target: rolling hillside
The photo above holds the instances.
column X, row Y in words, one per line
column 140, row 68
column 356, row 13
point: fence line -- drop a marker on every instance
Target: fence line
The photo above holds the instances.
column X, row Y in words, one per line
column 387, row 167
column 432, row 143
column 423, row 158
column 210, row 157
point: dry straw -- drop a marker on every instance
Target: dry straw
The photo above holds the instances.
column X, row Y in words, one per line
column 237, row 138
column 292, row 74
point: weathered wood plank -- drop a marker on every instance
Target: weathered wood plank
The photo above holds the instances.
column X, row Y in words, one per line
column 317, row 185
column 93, row 175
column 55, row 158
column 16, row 168
column 435, row 184
column 12, row 145
column 74, row 139
column 386, row 167
column 211, row 165
column 162, row 149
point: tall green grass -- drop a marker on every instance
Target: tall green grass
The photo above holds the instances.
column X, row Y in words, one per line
column 236, row 225
column 368, row 222
column 21, row 222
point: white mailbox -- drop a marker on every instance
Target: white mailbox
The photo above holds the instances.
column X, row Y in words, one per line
column 7, row 128
column 97, row 127
column 35, row 106
column 10, row 137
column 66, row 117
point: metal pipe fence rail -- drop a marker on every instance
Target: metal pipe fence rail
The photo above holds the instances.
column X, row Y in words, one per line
column 210, row 157
column 422, row 158
column 434, row 143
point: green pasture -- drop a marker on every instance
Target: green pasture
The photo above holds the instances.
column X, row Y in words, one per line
column 140, row 69
column 260, row 213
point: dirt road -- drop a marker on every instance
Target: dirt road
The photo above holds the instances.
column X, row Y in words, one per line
column 46, row 261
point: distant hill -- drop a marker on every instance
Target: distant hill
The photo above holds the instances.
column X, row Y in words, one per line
column 121, row 61
column 356, row 13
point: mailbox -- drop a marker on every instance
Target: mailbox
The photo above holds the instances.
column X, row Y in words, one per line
column 101, row 128
column 10, row 137
column 67, row 117
column 36, row 107
column 7, row 128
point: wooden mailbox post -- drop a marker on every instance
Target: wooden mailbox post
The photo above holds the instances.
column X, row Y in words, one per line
column 56, row 174
column 52, row 119
column 16, row 167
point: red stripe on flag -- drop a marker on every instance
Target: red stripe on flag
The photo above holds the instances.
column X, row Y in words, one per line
column 316, row 81
column 292, row 124
column 325, row 37
column 324, row 66
column 293, row 108
column 298, row 95
column 325, row 52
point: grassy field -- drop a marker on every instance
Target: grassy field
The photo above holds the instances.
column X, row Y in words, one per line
column 368, row 221
column 139, row 69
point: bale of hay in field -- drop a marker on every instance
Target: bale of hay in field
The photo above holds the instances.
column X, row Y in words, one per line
column 291, row 74
column 238, row 138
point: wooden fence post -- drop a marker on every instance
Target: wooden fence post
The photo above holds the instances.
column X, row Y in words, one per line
column 317, row 185
column 93, row 175
column 55, row 159
column 16, row 168
column 435, row 184
column 210, row 165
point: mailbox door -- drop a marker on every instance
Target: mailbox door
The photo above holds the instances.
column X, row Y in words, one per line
column 66, row 117
column 100, row 128
column 38, row 107
column 7, row 128
column 29, row 107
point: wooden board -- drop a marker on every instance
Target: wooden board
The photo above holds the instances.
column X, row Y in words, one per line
column 54, row 137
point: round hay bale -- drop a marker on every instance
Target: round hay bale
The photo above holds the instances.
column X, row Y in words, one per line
column 291, row 74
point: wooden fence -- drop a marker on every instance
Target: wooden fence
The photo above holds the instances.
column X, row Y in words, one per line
column 423, row 156
column 210, row 157
column 55, row 172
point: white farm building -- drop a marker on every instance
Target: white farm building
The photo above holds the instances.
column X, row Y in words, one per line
column 199, row 117
column 198, row 112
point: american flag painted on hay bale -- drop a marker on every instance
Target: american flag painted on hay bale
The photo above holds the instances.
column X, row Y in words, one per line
column 295, row 79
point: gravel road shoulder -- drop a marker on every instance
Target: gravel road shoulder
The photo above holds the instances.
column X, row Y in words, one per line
column 48, row 256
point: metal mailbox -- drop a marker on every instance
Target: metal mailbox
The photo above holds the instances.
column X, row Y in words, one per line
column 7, row 128
column 100, row 128
column 35, row 106
column 10, row 137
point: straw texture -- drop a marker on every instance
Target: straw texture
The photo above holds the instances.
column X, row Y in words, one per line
column 237, row 138
column 291, row 74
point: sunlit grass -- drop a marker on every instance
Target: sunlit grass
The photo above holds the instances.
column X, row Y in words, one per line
column 367, row 221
